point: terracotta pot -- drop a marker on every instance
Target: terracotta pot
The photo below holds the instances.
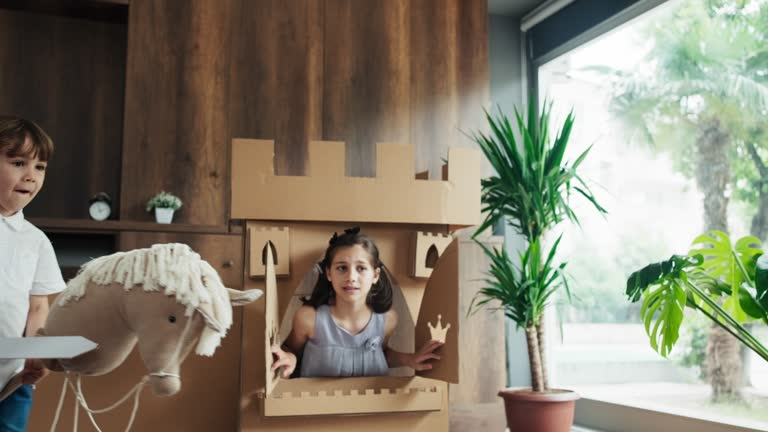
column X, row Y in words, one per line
column 529, row 411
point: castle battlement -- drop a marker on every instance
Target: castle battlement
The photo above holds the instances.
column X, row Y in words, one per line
column 395, row 195
column 405, row 394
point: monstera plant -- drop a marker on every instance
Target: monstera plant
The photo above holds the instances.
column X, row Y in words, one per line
column 728, row 283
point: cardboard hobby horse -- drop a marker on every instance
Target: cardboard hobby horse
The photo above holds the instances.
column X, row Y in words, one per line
column 288, row 222
column 165, row 298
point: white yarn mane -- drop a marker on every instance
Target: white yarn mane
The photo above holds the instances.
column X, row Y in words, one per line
column 174, row 269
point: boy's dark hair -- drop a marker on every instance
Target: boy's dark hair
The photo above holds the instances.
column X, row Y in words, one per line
column 380, row 296
column 13, row 134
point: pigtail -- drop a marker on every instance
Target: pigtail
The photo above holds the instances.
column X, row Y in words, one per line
column 380, row 296
column 323, row 292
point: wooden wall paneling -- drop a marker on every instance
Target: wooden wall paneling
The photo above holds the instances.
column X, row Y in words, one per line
column 67, row 75
column 223, row 252
column 449, row 76
column 472, row 58
column 366, row 78
column 210, row 386
column 176, row 130
column 206, row 402
column 276, row 77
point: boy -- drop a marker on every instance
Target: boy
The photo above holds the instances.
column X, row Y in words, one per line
column 28, row 268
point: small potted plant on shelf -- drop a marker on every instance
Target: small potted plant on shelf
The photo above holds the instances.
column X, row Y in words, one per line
column 531, row 192
column 164, row 205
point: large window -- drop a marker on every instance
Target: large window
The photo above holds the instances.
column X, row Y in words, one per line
column 674, row 103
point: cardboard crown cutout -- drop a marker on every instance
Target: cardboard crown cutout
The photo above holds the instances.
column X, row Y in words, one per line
column 164, row 298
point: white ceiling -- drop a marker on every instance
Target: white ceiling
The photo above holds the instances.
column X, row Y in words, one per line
column 512, row 7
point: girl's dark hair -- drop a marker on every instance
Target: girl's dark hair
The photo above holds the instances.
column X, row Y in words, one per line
column 14, row 131
column 380, row 296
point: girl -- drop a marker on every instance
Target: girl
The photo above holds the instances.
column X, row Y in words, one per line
column 344, row 326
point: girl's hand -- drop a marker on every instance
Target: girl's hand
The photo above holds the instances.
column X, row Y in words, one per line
column 419, row 360
column 34, row 371
column 284, row 359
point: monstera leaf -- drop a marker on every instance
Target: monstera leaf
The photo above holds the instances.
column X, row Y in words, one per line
column 713, row 270
column 761, row 281
column 754, row 299
column 654, row 273
column 733, row 265
column 664, row 300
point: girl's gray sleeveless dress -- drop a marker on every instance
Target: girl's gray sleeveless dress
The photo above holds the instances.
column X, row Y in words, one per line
column 334, row 352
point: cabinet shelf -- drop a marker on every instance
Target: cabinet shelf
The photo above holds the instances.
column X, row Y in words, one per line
column 115, row 11
column 63, row 225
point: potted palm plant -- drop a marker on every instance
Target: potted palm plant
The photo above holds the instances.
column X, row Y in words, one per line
column 727, row 283
column 531, row 192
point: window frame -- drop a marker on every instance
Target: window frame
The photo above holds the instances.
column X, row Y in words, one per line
column 593, row 413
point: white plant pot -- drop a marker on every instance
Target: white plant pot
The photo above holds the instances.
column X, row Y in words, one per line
column 163, row 215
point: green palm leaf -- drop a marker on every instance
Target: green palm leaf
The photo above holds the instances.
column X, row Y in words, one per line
column 532, row 185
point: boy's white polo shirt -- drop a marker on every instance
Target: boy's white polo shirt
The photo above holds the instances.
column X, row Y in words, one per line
column 28, row 266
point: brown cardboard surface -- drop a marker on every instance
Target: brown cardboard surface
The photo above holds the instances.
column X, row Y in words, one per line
column 258, row 194
column 408, row 217
column 440, row 301
column 362, row 395
column 423, row 245
column 308, row 242
column 253, row 421
column 259, row 239
column 271, row 324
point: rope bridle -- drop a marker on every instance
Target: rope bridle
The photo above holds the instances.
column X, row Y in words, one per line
column 80, row 401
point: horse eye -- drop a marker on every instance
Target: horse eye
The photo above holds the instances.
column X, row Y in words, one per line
column 172, row 318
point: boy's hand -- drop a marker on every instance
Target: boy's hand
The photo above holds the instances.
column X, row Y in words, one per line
column 284, row 359
column 419, row 360
column 34, row 370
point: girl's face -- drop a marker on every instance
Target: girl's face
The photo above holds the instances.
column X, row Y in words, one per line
column 352, row 274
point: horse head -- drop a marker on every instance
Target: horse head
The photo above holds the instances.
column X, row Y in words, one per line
column 164, row 298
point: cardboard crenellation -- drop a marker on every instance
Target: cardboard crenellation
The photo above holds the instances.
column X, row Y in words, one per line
column 355, row 401
column 329, row 387
column 320, row 394
column 259, row 239
column 421, row 243
column 259, row 194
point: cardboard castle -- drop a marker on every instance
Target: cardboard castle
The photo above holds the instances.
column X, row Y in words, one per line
column 289, row 220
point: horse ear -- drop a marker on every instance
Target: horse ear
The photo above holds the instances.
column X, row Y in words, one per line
column 240, row 298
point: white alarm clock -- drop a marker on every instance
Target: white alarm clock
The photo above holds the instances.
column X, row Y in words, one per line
column 100, row 206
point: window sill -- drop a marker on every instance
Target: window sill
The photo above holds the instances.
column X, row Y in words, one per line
column 601, row 415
